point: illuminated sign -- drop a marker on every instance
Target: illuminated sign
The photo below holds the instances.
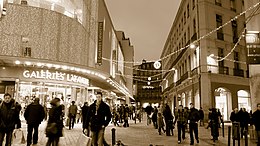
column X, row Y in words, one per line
column 57, row 76
column 100, row 42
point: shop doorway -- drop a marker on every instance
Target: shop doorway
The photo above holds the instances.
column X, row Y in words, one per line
column 223, row 102
column 244, row 100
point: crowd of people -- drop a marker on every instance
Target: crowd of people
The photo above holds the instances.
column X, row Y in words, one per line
column 97, row 116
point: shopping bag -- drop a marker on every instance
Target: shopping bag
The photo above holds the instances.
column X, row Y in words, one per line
column 18, row 137
column 83, row 140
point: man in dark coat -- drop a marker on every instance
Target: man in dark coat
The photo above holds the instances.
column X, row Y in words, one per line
column 72, row 114
column 85, row 125
column 181, row 117
column 193, row 118
column 9, row 118
column 99, row 116
column 234, row 117
column 256, row 122
column 244, row 120
column 201, row 116
column 34, row 114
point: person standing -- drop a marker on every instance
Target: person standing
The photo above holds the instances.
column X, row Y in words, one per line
column 193, row 125
column 9, row 119
column 126, row 115
column 256, row 122
column 168, row 118
column 72, row 114
column 154, row 118
column 85, row 125
column 99, row 116
column 201, row 116
column 181, row 118
column 34, row 115
column 55, row 116
column 148, row 111
column 214, row 122
column 244, row 120
column 160, row 121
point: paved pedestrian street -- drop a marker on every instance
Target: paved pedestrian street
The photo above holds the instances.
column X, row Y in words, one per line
column 138, row 134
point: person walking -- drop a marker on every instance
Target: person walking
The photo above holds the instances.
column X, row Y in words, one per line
column 34, row 115
column 148, row 111
column 244, row 120
column 181, row 118
column 168, row 118
column 214, row 122
column 72, row 114
column 201, row 112
column 99, row 116
column 160, row 121
column 256, row 122
column 85, row 125
column 126, row 115
column 55, row 116
column 154, row 118
column 9, row 119
column 193, row 124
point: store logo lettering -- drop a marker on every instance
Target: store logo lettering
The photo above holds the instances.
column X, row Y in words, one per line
column 59, row 76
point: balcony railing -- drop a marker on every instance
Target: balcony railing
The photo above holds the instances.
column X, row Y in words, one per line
column 238, row 72
column 223, row 70
column 194, row 72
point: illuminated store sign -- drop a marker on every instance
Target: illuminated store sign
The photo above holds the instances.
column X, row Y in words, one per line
column 148, row 87
column 57, row 76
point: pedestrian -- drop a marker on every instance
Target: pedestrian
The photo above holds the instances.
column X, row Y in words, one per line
column 34, row 115
column 160, row 121
column 201, row 112
column 9, row 119
column 193, row 124
column 256, row 122
column 99, row 116
column 214, row 123
column 148, row 111
column 55, row 116
column 244, row 120
column 115, row 116
column 85, row 125
column 181, row 119
column 72, row 114
column 126, row 115
column 154, row 118
column 168, row 118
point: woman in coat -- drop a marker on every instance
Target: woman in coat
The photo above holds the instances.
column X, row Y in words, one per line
column 214, row 122
column 55, row 116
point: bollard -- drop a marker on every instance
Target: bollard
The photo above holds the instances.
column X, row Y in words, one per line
column 223, row 130
column 246, row 138
column 113, row 136
column 229, row 135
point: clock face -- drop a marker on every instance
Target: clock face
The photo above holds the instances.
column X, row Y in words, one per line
column 157, row 64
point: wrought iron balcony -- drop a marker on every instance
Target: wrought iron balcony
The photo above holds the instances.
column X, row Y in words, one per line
column 238, row 72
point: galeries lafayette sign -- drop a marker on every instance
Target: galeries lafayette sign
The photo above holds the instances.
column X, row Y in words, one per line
column 57, row 76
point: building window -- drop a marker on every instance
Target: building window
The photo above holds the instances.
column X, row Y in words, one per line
column 234, row 31
column 221, row 54
column 188, row 11
column 193, row 4
column 236, row 58
column 233, row 5
column 194, row 26
column 220, row 34
column 184, row 16
column 184, row 36
column 188, row 30
column 218, row 2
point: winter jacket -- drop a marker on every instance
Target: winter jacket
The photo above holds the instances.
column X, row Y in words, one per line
column 73, row 110
column 194, row 115
column 181, row 117
column 256, row 119
column 98, row 118
column 56, row 116
column 9, row 116
column 234, row 117
column 34, row 113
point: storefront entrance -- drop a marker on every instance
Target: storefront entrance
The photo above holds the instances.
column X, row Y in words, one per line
column 223, row 102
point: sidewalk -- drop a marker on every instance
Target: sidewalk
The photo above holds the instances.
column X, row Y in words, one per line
column 138, row 134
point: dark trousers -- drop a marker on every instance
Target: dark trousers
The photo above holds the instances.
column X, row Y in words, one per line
column 32, row 128
column 72, row 121
column 181, row 131
column 53, row 141
column 168, row 127
column 8, row 137
column 243, row 128
column 258, row 137
column 193, row 128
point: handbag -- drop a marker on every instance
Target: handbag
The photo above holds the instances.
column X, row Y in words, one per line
column 51, row 129
column 84, row 140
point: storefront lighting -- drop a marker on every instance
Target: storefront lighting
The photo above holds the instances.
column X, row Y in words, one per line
column 56, row 66
column 211, row 55
column 84, row 70
column 77, row 69
column 93, row 73
column 39, row 64
column 3, row 67
column 72, row 68
column 17, row 62
column 28, row 63
column 64, row 67
column 49, row 65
